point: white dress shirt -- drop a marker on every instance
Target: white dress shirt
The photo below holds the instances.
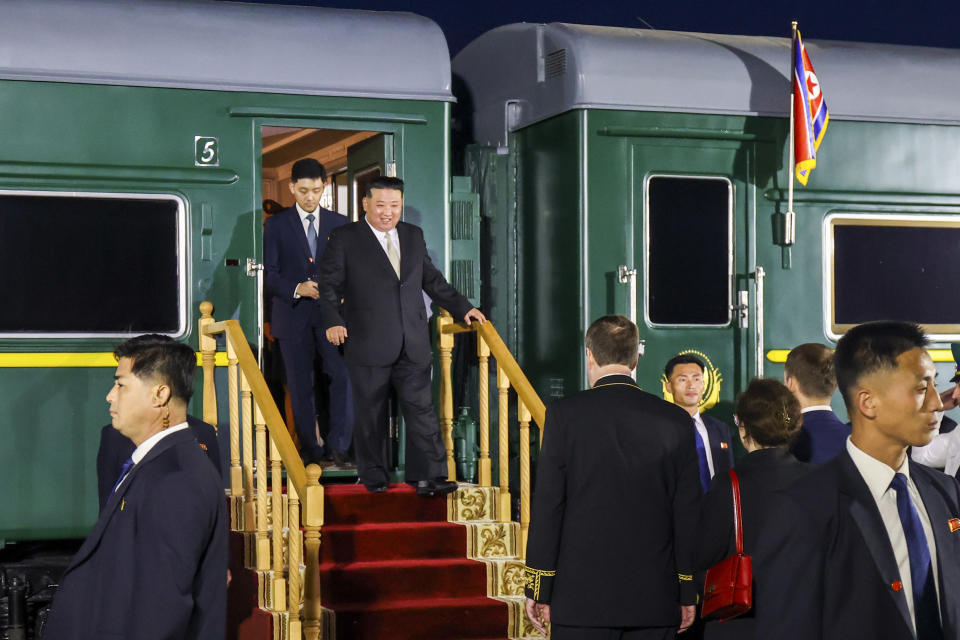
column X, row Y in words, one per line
column 382, row 237
column 878, row 477
column 140, row 452
column 819, row 407
column 943, row 452
column 702, row 430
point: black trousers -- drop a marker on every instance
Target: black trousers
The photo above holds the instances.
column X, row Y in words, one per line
column 298, row 358
column 561, row 632
column 371, row 388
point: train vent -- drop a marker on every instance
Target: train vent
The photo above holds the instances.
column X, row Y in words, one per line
column 555, row 63
column 465, row 238
column 462, row 277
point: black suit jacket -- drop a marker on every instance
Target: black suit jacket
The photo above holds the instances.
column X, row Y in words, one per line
column 613, row 533
column 761, row 474
column 822, row 437
column 829, row 567
column 721, row 448
column 287, row 262
column 155, row 564
column 381, row 313
column 115, row 449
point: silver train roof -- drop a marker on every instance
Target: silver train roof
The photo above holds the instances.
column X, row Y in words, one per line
column 226, row 46
column 545, row 70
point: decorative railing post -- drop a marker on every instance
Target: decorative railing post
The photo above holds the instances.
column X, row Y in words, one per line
column 524, row 417
column 446, row 391
column 312, row 521
column 262, row 558
column 278, row 585
column 294, row 563
column 503, row 403
column 483, row 371
column 208, row 361
column 246, row 437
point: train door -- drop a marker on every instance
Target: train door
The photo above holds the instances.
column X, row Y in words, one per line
column 692, row 259
column 367, row 160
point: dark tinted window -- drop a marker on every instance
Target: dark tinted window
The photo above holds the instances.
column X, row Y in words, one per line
column 688, row 278
column 896, row 273
column 88, row 265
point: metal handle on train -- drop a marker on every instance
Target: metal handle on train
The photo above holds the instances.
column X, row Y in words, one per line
column 255, row 270
column 628, row 276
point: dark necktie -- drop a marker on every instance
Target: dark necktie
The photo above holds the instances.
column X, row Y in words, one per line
column 958, row 473
column 925, row 609
column 702, row 459
column 123, row 473
column 312, row 236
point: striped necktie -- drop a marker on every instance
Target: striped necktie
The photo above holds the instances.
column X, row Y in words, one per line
column 312, row 236
column 392, row 255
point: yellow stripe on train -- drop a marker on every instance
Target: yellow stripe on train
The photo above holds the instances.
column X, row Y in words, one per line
column 101, row 359
column 938, row 355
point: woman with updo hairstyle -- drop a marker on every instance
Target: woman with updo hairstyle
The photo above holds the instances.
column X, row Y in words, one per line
column 768, row 416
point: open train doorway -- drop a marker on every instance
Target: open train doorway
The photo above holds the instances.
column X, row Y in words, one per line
column 351, row 158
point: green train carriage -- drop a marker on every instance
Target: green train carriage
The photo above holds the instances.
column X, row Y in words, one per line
column 139, row 140
column 646, row 173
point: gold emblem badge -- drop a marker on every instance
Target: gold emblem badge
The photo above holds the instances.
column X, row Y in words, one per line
column 711, row 381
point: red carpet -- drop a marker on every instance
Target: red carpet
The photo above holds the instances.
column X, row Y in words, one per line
column 393, row 567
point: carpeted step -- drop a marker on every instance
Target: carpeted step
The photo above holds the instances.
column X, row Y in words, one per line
column 353, row 504
column 373, row 582
column 392, row 541
column 471, row 618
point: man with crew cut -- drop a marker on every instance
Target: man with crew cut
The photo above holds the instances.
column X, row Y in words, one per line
column 810, row 375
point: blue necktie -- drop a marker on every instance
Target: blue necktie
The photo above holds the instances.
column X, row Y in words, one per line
column 702, row 459
column 123, row 473
column 925, row 608
column 312, row 236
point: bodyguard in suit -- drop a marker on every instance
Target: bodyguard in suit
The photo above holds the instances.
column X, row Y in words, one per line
column 115, row 448
column 294, row 242
column 684, row 375
column 613, row 532
column 868, row 544
column 809, row 373
column 155, row 564
column 372, row 275
column 768, row 417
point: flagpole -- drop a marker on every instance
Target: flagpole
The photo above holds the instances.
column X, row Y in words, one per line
column 790, row 224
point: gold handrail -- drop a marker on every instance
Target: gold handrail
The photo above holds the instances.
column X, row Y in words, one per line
column 262, row 458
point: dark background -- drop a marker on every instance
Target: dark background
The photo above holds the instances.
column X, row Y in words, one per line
column 926, row 23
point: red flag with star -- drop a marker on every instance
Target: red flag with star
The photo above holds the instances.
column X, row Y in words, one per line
column 810, row 115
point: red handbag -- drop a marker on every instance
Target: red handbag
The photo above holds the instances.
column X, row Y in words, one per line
column 728, row 588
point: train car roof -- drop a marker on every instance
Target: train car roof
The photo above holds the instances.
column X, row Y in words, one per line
column 226, row 46
column 543, row 70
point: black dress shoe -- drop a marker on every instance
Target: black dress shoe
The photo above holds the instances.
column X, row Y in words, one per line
column 340, row 458
column 435, row 487
column 376, row 487
column 313, row 455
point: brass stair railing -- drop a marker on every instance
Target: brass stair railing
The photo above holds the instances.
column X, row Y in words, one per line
column 529, row 405
column 269, row 515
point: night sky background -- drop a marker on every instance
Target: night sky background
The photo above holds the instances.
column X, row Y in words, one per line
column 931, row 23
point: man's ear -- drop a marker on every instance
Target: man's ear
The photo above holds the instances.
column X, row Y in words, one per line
column 161, row 395
column 591, row 361
column 293, row 187
column 866, row 401
column 790, row 383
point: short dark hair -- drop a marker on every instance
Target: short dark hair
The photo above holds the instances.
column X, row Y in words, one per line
column 161, row 357
column 683, row 358
column 383, row 182
column 872, row 347
column 769, row 413
column 307, row 168
column 811, row 365
column 613, row 340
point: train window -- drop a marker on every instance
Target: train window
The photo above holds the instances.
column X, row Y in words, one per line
column 868, row 257
column 91, row 265
column 689, row 256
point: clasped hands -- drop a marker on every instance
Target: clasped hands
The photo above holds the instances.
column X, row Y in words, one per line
column 338, row 334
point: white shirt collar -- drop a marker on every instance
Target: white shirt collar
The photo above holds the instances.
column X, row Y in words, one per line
column 819, row 407
column 303, row 214
column 145, row 446
column 876, row 474
column 379, row 234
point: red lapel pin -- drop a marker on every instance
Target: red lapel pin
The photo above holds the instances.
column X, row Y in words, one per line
column 724, row 445
column 954, row 524
column 896, row 585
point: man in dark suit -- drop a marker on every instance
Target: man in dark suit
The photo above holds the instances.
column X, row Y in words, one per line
column 372, row 275
column 155, row 564
column 294, row 242
column 809, row 374
column 684, row 375
column 615, row 506
column 868, row 544
column 115, row 448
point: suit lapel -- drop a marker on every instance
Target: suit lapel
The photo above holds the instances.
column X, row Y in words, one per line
column 117, row 497
column 374, row 247
column 296, row 228
column 949, row 576
column 407, row 250
column 717, row 452
column 863, row 510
